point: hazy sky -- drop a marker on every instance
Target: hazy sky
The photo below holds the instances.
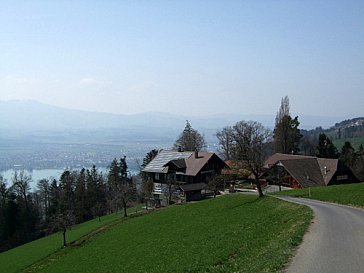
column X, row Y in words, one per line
column 185, row 57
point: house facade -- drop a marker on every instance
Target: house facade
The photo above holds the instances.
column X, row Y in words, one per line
column 185, row 173
column 296, row 171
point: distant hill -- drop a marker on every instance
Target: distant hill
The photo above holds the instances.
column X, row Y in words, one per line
column 32, row 119
column 33, row 115
column 351, row 130
column 36, row 121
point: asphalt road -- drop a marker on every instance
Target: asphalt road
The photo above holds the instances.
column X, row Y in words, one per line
column 334, row 242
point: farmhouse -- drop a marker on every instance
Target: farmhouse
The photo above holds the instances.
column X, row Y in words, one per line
column 296, row 171
column 184, row 173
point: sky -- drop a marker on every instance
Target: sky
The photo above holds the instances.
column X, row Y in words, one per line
column 185, row 57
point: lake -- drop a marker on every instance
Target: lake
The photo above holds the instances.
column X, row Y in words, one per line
column 40, row 174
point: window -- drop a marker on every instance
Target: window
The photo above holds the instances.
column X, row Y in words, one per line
column 342, row 177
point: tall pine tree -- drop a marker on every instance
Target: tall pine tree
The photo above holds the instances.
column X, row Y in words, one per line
column 286, row 132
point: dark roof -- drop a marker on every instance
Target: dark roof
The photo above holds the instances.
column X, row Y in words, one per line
column 193, row 187
column 306, row 170
column 179, row 163
column 193, row 165
column 278, row 157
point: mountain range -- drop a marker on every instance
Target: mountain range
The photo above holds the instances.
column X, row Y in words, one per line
column 35, row 116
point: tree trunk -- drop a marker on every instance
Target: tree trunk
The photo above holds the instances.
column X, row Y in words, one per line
column 259, row 187
column 125, row 214
column 64, row 238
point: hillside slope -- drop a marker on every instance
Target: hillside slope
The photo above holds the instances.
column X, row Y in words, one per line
column 226, row 234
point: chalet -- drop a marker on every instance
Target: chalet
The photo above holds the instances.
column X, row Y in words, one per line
column 188, row 171
column 296, row 171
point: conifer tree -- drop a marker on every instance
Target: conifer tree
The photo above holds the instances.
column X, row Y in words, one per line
column 325, row 148
column 286, row 132
column 190, row 139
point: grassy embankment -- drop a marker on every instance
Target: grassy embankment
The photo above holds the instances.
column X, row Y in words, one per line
column 19, row 258
column 350, row 194
column 234, row 233
column 355, row 142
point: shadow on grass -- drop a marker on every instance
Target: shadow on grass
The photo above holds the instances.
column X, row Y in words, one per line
column 249, row 201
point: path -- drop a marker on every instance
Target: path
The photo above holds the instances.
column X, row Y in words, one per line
column 334, row 242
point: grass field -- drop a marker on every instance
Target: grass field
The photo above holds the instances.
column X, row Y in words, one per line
column 234, row 233
column 350, row 194
column 23, row 256
column 355, row 142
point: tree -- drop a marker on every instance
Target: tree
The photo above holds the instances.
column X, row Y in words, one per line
column 21, row 203
column 250, row 143
column 54, row 198
column 216, row 183
column 309, row 144
column 149, row 157
column 286, row 133
column 95, row 193
column 170, row 187
column 277, row 174
column 122, row 187
column 21, row 186
column 325, row 148
column 67, row 191
column 348, row 155
column 359, row 163
column 63, row 221
column 225, row 137
column 146, row 187
column 3, row 191
column 146, row 190
column 190, row 139
column 44, row 194
column 82, row 212
column 3, row 203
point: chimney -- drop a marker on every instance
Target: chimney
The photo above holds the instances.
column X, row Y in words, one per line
column 196, row 153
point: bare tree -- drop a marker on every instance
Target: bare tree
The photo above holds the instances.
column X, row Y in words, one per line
column 122, row 189
column 145, row 191
column 126, row 193
column 250, row 143
column 21, row 181
column 225, row 137
column 286, row 133
column 3, row 191
column 170, row 189
column 63, row 221
column 216, row 183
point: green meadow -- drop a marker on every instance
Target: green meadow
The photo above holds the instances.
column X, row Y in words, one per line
column 234, row 233
column 350, row 194
column 355, row 142
column 17, row 259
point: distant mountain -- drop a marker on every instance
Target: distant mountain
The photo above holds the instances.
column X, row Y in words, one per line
column 35, row 121
column 32, row 115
